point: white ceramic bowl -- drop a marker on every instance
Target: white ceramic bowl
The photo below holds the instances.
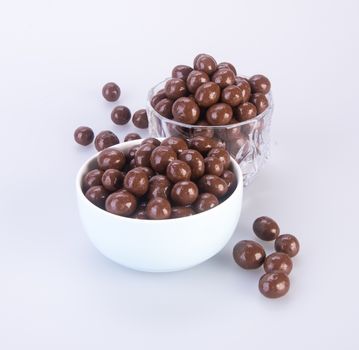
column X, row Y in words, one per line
column 159, row 245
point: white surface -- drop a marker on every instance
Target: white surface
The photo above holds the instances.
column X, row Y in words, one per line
column 159, row 245
column 57, row 291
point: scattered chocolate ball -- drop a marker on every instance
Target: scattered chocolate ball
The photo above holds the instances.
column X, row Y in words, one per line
column 274, row 284
column 152, row 141
column 249, row 254
column 161, row 156
column 213, row 166
column 111, row 159
column 205, row 63
column 266, row 228
column 195, row 79
column 224, row 77
column 205, row 201
column 185, row 110
column 232, row 95
column 245, row 111
column 111, row 92
column 97, row 195
column 105, row 139
column 164, row 107
column 112, row 179
column 181, row 72
column 287, row 244
column 207, row 94
column 92, row 178
column 158, row 209
column 84, row 135
column 178, row 170
column 143, row 155
column 121, row 203
column 213, row 184
column 245, row 89
column 195, row 161
column 136, row 182
column 180, row 212
column 159, row 186
column 260, row 83
column 184, row 193
column 222, row 155
column 140, row 119
column 278, row 262
column 227, row 65
column 219, row 114
column 121, row 115
column 175, row 88
column 158, row 97
column 260, row 101
column 132, row 136
column 230, row 179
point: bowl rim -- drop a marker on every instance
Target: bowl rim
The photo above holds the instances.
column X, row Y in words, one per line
column 124, row 146
column 259, row 117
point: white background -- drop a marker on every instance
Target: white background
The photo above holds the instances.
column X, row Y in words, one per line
column 58, row 292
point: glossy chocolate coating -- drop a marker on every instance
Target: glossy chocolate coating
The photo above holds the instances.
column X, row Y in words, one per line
column 152, row 141
column 164, row 107
column 287, row 244
column 228, row 66
column 160, row 158
column 92, row 178
column 140, row 214
column 231, row 95
column 205, row 201
column 149, row 171
column 121, row 203
column 260, row 101
column 278, row 262
column 213, row 184
column 245, row 111
column 181, row 72
column 224, row 77
column 111, row 92
column 178, row 170
column 245, row 89
column 140, row 119
column 97, row 195
column 207, row 132
column 205, row 63
column 219, row 114
column 274, row 284
column 121, row 115
column 178, row 144
column 158, row 209
column 260, row 83
column 184, row 193
column 213, row 166
column 159, row 186
column 84, row 135
column 185, row 110
column 180, row 212
column 111, row 159
column 195, row 79
column 231, row 180
column 249, row 254
column 112, row 179
column 266, row 228
column 221, row 154
column 132, row 152
column 195, row 161
column 158, row 97
column 132, row 136
column 175, row 88
column 202, row 144
column 105, row 139
column 207, row 94
column 136, row 182
column 143, row 155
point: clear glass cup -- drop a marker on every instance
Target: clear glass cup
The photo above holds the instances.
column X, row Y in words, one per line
column 248, row 142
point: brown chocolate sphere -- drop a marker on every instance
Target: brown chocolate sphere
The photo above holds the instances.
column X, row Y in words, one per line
column 157, row 97
column 228, row 66
column 260, row 83
column 121, row 115
column 232, row 133
column 180, row 212
column 219, row 114
column 97, row 195
column 175, row 88
column 245, row 89
column 278, row 262
column 164, row 107
column 230, row 179
column 121, row 203
column 195, row 161
column 224, row 77
column 184, row 193
column 111, row 92
column 231, row 95
column 245, row 111
column 185, row 110
column 178, row 144
column 266, row 228
column 205, row 63
column 260, row 101
column 140, row 119
column 207, row 94
column 84, row 135
column 160, row 158
column 205, row 201
column 92, row 178
column 207, row 132
column 181, row 72
column 221, row 154
column 158, row 209
column 136, row 182
column 105, row 139
column 152, row 141
column 213, row 166
column 213, row 184
column 111, row 159
column 159, row 186
column 132, row 136
column 132, row 152
column 202, row 144
column 143, row 155
column 178, row 170
column 249, row 254
column 274, row 284
column 287, row 244
column 149, row 171
column 112, row 179
column 195, row 79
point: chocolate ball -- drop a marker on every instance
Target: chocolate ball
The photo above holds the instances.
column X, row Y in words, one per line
column 219, row 114
column 266, row 228
column 202, row 144
column 278, row 262
column 195, row 79
column 260, row 83
column 207, row 132
column 180, row 212
column 227, row 65
column 160, row 158
column 112, row 179
column 178, row 170
column 175, row 88
column 143, row 155
column 158, row 209
column 245, row 89
column 184, row 193
column 97, row 195
column 152, row 141
column 149, row 171
column 232, row 133
column 164, row 107
column 121, row 115
column 195, row 161
column 178, row 144
column 222, row 155
column 140, row 214
column 84, row 135
column 136, row 182
column 92, row 178
column 207, row 94
column 157, row 97
column 132, row 152
column 224, row 77
column 260, row 101
column 205, row 63
column 159, row 186
column 274, row 284
column 105, row 139
column 230, row 179
column 231, row 95
column 213, row 184
column 205, row 201
column 245, row 111
column 213, row 166
column 287, row 244
column 140, row 119
column 111, row 92
column 185, row 110
column 121, row 203
column 181, row 72
column 111, row 159
column 132, row 136
column 249, row 254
